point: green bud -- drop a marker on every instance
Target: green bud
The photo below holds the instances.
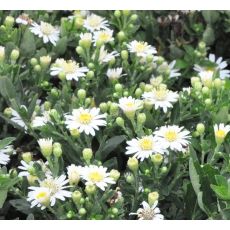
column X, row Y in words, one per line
column 27, row 157
column 157, row 159
column 134, row 17
column 88, row 101
column 78, row 22
column 79, row 50
column 121, row 36
column 208, row 102
column 126, row 12
column 118, row 88
column 205, row 90
column 82, row 211
column 195, row 134
column 153, row 197
column 91, row 65
column 124, row 54
column 70, row 215
column 114, row 174
column 129, row 178
column 114, row 109
column 90, row 75
column 82, row 201
column 54, row 92
column 202, row 45
column 57, row 152
column 148, row 88
column 37, row 68
column 198, row 86
column 76, row 196
column 200, row 128
column 46, row 146
column 149, row 58
column 87, row 154
column 75, row 133
column 142, row 86
column 138, row 92
column 9, row 21
column 126, row 94
column 14, row 55
column 164, row 170
column 7, row 112
column 103, row 107
column 115, row 211
column 147, row 190
column 117, row 13
column 120, row 121
column 47, row 105
column 33, row 61
column 133, row 164
column 90, row 189
column 218, row 83
column 160, row 60
column 141, row 118
column 81, row 93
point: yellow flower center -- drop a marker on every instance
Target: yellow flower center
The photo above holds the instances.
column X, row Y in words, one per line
column 41, row 195
column 146, row 143
column 50, row 184
column 94, row 22
column 161, row 94
column 140, row 47
column 85, row 118
column 104, row 36
column 46, row 28
column 170, row 135
column 69, row 67
column 130, row 104
column 220, row 133
column 96, row 177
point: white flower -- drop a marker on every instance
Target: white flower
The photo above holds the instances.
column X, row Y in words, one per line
column 94, row 22
column 16, row 118
column 105, row 57
column 96, row 175
column 56, row 187
column 85, row 120
column 39, row 196
column 173, row 72
column 26, row 168
column 46, row 146
column 38, row 121
column 73, row 172
column 23, row 19
column 187, row 90
column 130, row 105
column 221, row 132
column 206, row 77
column 141, row 49
column 46, row 31
column 70, row 68
column 161, row 98
column 114, row 74
column 220, row 66
column 144, row 147
column 148, row 212
column 86, row 37
column 4, row 155
column 103, row 36
column 173, row 137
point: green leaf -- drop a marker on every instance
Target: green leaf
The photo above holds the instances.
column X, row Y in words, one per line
column 3, row 196
column 28, row 45
column 61, row 46
column 6, row 141
column 7, row 89
column 222, row 115
column 195, row 180
column 21, row 205
column 210, row 16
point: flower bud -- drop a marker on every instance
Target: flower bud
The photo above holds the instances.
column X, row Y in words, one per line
column 126, row 12
column 208, row 102
column 57, row 151
column 46, row 146
column 70, row 214
column 114, row 174
column 133, row 164
column 141, row 118
column 114, row 109
column 148, row 88
column 117, row 13
column 27, row 157
column 200, row 128
column 33, row 61
column 164, row 170
column 90, row 189
column 157, row 159
column 2, row 53
column 103, row 107
column 120, row 121
column 78, row 22
column 32, row 179
column 90, row 75
column 91, row 65
column 82, row 211
column 218, row 83
column 115, row 211
column 153, row 197
column 14, row 55
column 47, row 105
column 81, row 93
column 205, row 90
column 129, row 178
column 194, row 80
column 87, row 154
column 75, row 133
column 134, row 17
column 138, row 92
column 45, row 61
column 7, row 112
column 9, row 21
column 79, row 50
column 126, row 94
column 37, row 68
column 124, row 54
column 76, row 196
column 198, row 86
column 118, row 87
column 121, row 36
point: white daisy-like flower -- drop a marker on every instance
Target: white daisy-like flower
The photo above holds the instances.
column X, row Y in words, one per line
column 94, row 22
column 39, row 121
column 16, row 118
column 144, row 147
column 25, row 167
column 130, row 105
column 206, row 77
column 46, row 31
column 173, row 72
column 97, row 175
column 173, row 137
column 105, row 57
column 85, row 120
column 4, row 156
column 220, row 67
column 148, row 212
column 70, row 68
column 221, row 132
column 141, row 49
column 161, row 98
column 23, row 19
column 39, row 196
column 103, row 36
column 115, row 73
column 56, row 187
column 73, row 173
